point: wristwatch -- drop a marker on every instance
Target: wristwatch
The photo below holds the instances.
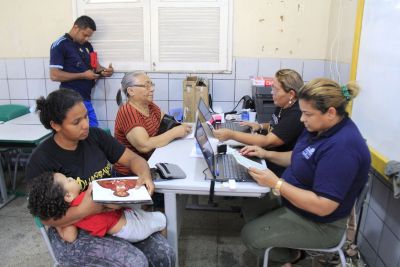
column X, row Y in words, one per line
column 277, row 189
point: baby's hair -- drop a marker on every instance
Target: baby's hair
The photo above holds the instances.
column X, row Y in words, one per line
column 46, row 198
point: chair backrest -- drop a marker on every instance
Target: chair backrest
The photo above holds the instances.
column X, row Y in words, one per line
column 43, row 231
column 12, row 111
column 363, row 195
column 107, row 130
column 177, row 113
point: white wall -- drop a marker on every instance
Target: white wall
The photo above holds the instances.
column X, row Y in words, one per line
column 29, row 27
column 285, row 29
column 274, row 28
column 341, row 30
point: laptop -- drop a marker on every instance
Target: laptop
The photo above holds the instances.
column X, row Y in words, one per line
column 222, row 166
column 206, row 115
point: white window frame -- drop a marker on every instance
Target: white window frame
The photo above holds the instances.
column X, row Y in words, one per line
column 151, row 53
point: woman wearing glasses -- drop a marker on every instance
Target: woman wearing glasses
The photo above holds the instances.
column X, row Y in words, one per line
column 284, row 127
column 138, row 120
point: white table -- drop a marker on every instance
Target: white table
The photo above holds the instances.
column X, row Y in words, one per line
column 18, row 136
column 29, row 119
column 176, row 191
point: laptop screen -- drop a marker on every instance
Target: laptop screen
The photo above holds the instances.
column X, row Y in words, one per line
column 204, row 110
column 205, row 146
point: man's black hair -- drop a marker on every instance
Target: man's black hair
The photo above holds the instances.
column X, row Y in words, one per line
column 46, row 198
column 84, row 22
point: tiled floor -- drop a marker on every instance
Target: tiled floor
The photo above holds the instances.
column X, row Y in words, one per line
column 208, row 238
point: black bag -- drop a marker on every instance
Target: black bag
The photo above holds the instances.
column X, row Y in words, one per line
column 168, row 122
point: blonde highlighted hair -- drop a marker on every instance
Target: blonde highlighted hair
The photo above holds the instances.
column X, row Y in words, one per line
column 325, row 93
column 289, row 79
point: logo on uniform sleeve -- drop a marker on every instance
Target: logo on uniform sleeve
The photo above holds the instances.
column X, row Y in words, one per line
column 307, row 153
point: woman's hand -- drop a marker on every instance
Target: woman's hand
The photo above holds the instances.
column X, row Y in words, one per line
column 223, row 134
column 253, row 151
column 253, row 125
column 264, row 177
column 182, row 130
column 146, row 181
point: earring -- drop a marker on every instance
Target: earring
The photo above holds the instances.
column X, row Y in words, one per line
column 290, row 101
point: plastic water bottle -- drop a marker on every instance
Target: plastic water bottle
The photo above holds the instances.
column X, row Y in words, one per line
column 245, row 115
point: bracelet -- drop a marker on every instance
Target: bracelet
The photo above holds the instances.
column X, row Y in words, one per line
column 277, row 189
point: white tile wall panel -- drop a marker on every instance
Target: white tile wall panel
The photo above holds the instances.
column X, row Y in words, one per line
column 15, row 68
column 219, row 106
column 223, row 90
column 389, row 247
column 111, row 88
column 34, row 68
column 313, row 69
column 246, row 67
column 18, row 89
column 24, row 102
column 51, row 86
column 242, row 88
column 175, row 89
column 112, row 109
column 99, row 91
column 160, row 89
column 4, row 92
column 100, row 109
column 267, row 67
column 163, row 105
column 46, row 63
column 3, row 69
column 294, row 64
column 36, row 88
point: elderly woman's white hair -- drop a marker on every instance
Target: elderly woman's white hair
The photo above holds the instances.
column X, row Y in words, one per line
column 128, row 80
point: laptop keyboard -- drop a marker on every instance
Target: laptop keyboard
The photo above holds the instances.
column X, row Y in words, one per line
column 232, row 170
column 234, row 126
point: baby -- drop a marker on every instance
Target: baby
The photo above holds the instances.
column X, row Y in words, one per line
column 53, row 193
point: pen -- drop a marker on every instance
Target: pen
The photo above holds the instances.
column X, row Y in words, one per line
column 217, row 169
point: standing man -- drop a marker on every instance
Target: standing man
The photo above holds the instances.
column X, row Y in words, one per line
column 73, row 62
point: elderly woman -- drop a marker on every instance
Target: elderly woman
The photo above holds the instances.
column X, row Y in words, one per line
column 327, row 170
column 138, row 120
column 284, row 127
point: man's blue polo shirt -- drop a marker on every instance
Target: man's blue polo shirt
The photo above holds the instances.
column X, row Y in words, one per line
column 333, row 165
column 69, row 56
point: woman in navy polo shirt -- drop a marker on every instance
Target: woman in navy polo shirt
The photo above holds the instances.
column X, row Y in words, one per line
column 326, row 171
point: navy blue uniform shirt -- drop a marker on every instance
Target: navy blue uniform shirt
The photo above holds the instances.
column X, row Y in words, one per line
column 69, row 56
column 333, row 165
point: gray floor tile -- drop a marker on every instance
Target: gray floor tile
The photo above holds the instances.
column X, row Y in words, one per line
column 198, row 247
column 21, row 243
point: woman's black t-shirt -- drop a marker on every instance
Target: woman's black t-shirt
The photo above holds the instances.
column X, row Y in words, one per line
column 91, row 159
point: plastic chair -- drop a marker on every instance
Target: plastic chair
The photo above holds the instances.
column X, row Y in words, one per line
column 107, row 130
column 12, row 111
column 339, row 247
column 177, row 113
column 9, row 112
column 43, row 231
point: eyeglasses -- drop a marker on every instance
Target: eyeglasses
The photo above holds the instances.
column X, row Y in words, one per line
column 146, row 85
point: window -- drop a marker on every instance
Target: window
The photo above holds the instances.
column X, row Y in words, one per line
column 162, row 35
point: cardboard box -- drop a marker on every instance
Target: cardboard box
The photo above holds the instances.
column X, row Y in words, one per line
column 193, row 88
